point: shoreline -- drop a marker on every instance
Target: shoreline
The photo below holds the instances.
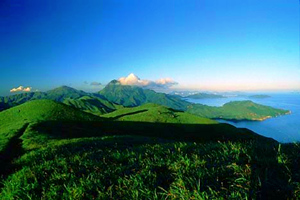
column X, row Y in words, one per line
column 253, row 120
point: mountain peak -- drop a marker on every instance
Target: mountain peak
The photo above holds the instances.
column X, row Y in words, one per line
column 64, row 87
column 114, row 82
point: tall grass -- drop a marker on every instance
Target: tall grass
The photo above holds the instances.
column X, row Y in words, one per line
column 127, row 167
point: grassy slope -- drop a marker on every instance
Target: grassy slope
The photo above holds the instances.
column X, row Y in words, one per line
column 156, row 113
column 143, row 168
column 237, row 110
column 13, row 119
column 140, row 167
column 94, row 105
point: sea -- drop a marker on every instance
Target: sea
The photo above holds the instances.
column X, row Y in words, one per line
column 285, row 129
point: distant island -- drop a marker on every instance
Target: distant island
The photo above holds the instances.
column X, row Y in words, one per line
column 260, row 96
column 205, row 96
column 237, row 110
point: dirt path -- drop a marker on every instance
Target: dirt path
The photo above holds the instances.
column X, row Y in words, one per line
column 14, row 150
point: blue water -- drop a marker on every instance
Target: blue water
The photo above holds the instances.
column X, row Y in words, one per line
column 283, row 128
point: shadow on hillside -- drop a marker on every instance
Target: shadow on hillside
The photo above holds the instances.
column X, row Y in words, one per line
column 12, row 151
column 127, row 114
column 185, row 132
column 270, row 179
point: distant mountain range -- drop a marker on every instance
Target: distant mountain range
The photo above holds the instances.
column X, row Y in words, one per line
column 116, row 96
column 71, row 141
column 89, row 102
column 131, row 96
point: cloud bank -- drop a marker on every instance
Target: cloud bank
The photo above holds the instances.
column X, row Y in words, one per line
column 21, row 89
column 132, row 79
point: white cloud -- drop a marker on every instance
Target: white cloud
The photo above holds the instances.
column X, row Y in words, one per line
column 132, row 79
column 21, row 89
column 27, row 89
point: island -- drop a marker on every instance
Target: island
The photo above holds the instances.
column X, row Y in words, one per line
column 205, row 96
column 259, row 96
column 236, row 111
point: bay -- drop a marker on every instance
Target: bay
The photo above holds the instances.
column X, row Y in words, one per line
column 284, row 128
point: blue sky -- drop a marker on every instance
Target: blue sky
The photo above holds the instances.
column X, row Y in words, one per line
column 205, row 45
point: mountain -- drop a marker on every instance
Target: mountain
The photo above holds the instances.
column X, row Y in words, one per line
column 204, row 96
column 57, row 94
column 237, row 110
column 18, row 99
column 131, row 96
column 92, row 103
column 156, row 113
column 63, row 92
column 115, row 96
column 3, row 106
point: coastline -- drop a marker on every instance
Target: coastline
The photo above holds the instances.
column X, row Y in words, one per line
column 254, row 119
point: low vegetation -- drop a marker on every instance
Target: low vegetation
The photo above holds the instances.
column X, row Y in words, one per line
column 131, row 167
column 49, row 150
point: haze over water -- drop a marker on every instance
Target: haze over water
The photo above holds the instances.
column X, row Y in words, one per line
column 283, row 128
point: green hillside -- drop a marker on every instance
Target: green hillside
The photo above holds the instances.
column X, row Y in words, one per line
column 18, row 99
column 53, row 151
column 130, row 96
column 143, row 168
column 57, row 94
column 237, row 110
column 156, row 113
column 16, row 118
column 204, row 96
column 115, row 96
column 88, row 102
column 64, row 92
column 39, row 110
column 94, row 105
